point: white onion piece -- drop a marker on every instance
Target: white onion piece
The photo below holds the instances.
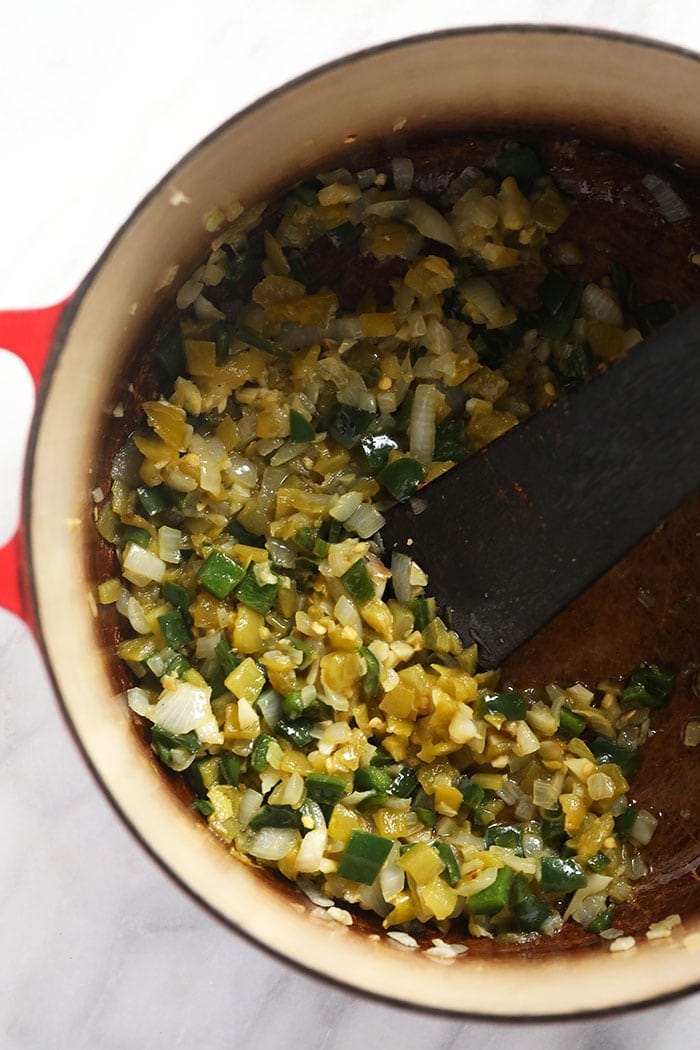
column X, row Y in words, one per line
column 544, row 795
column 169, row 541
column 137, row 617
column 670, row 204
column 401, row 576
column 346, row 613
column 643, row 828
column 251, row 802
column 421, row 431
column 431, row 223
column 139, row 701
column 206, row 311
column 402, row 173
column 365, row 521
column 391, row 881
column 205, row 648
column 187, row 708
column 141, row 566
column 273, row 843
column 343, row 507
column 281, row 554
column 311, row 851
column 599, row 306
column 691, row 732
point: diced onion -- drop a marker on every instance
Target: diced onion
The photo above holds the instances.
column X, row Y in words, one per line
column 169, row 541
column 251, row 802
column 401, row 576
column 273, row 843
column 365, row 521
column 421, row 433
column 402, row 173
column 600, row 306
column 691, row 732
column 431, row 223
column 141, row 566
column 670, row 204
column 311, row 851
column 643, row 827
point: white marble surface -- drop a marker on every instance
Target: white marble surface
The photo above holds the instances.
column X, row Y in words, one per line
column 98, row 949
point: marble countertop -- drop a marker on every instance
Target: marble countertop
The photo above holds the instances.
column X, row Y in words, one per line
column 99, row 948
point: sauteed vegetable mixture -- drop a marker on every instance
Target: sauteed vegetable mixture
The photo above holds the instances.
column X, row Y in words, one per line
column 329, row 722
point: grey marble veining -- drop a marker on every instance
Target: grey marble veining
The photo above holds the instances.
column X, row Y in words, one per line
column 98, row 948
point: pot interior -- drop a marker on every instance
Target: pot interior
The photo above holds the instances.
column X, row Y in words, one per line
column 607, row 89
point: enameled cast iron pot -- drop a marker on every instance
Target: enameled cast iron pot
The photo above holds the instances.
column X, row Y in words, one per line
column 606, row 88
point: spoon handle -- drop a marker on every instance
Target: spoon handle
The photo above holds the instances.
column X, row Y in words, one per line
column 512, row 535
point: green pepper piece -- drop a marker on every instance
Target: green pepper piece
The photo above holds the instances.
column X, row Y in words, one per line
column 495, row 897
column 449, row 441
column 133, row 534
column 508, row 836
column 626, row 820
column 561, row 875
column 226, row 658
column 473, row 794
column 511, row 705
column 178, row 666
column 370, row 679
column 402, row 477
column 603, row 920
column 325, row 788
column 372, row 778
column 153, row 501
column 649, row 685
column 560, row 298
column 230, row 765
column 237, row 261
column 300, row 429
column 424, row 610
column 174, row 630
column 605, row 751
column 163, row 742
column 294, row 706
column 404, row 783
column 170, row 354
column 530, row 913
column 344, row 234
column 570, row 724
column 241, row 534
column 220, row 574
column 598, row 862
column 553, row 827
column 297, row 732
column 275, row 817
column 260, row 341
column 179, row 597
column 520, row 162
column 258, row 756
column 357, row 582
column 259, row 597
column 426, row 816
column 452, row 873
column 574, row 362
column 346, row 425
column 382, row 757
column 203, row 806
column 364, row 857
column 376, row 449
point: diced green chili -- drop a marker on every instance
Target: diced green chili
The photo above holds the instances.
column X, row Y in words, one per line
column 372, row 778
column 301, row 196
column 404, row 783
column 649, row 685
column 294, row 705
column 228, row 661
column 220, row 574
column 133, row 534
column 520, row 162
column 449, row 441
column 603, row 920
column 452, row 873
column 553, row 827
column 560, row 875
column 376, row 449
column 488, row 810
column 574, row 362
column 364, row 857
column 382, row 757
column 325, row 788
column 275, row 817
column 426, row 816
column 370, row 678
column 560, row 298
column 303, row 647
column 570, row 724
column 170, row 354
column 177, row 666
column 241, row 534
column 230, row 765
column 222, row 338
column 530, row 913
column 202, row 774
column 357, row 582
column 626, row 758
column 174, row 630
column 203, row 806
column 179, row 597
column 163, row 742
column 401, row 478
column 494, row 897
column 258, row 756
column 473, row 794
column 511, row 705
column 299, row 427
column 508, row 836
column 598, row 862
column 625, row 821
column 257, row 596
column 260, row 341
column 346, row 425
column 346, row 233
column 297, row 731
column 237, row 261
column 153, row 501
column 423, row 610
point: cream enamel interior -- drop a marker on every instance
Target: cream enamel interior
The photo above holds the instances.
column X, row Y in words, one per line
column 594, row 84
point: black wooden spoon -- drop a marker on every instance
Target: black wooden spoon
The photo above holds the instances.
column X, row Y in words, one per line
column 512, row 535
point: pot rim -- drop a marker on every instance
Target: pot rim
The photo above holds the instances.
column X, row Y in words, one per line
column 59, row 339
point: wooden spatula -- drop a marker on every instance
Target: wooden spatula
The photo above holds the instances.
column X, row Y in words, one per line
column 509, row 537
